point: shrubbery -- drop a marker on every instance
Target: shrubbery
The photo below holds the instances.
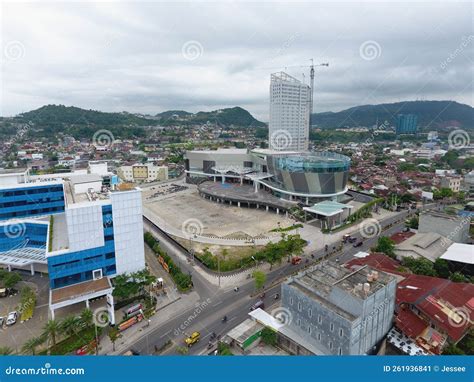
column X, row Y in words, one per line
column 183, row 281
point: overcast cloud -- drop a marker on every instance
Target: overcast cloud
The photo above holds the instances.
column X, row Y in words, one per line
column 154, row 56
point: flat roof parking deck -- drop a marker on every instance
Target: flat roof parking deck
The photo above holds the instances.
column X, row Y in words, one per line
column 242, row 193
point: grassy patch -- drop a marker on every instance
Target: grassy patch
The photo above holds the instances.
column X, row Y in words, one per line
column 286, row 229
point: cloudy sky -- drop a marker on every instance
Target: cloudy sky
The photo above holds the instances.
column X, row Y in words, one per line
column 154, row 56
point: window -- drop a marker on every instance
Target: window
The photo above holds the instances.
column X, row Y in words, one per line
column 331, row 327
column 97, row 274
column 310, row 313
column 320, row 319
column 341, row 332
column 291, row 300
column 319, row 336
column 339, row 351
column 309, row 329
column 299, row 306
column 330, row 345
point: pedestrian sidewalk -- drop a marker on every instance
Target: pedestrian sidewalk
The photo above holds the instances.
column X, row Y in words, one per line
column 140, row 330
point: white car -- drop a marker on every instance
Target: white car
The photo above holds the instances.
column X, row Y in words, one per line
column 12, row 317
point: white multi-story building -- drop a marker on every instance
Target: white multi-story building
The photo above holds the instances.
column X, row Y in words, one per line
column 71, row 228
column 146, row 172
column 289, row 113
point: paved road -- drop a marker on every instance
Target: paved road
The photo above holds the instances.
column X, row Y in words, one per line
column 235, row 305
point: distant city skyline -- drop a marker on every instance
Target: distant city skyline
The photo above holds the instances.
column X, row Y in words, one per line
column 152, row 57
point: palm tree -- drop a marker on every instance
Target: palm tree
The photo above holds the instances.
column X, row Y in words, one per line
column 70, row 325
column 86, row 318
column 51, row 331
column 114, row 335
column 29, row 347
column 5, row 350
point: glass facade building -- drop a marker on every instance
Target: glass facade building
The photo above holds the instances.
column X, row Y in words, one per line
column 28, row 201
column 75, row 267
column 407, row 124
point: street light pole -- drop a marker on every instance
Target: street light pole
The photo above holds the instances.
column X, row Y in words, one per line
column 96, row 341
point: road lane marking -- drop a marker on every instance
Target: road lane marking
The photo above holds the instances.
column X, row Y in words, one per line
column 220, row 302
column 164, row 335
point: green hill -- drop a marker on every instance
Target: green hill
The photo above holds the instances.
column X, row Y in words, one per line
column 235, row 116
column 49, row 120
column 431, row 115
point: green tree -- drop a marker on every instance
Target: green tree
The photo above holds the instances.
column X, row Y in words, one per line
column 11, row 279
column 30, row 346
column 86, row 318
column 5, row 350
column 114, row 335
column 51, row 331
column 269, row 336
column 441, row 267
column 223, row 349
column 386, row 246
column 259, row 278
column 452, row 350
column 70, row 325
column 413, row 222
column 419, row 266
column 457, row 277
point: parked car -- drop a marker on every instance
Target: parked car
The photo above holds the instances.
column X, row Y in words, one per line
column 352, row 239
column 192, row 339
column 296, row 260
column 12, row 317
column 3, row 292
column 359, row 244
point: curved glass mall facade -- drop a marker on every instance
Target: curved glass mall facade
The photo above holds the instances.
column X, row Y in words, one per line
column 307, row 176
column 313, row 174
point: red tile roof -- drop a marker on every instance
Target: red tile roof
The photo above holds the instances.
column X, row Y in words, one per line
column 376, row 260
column 448, row 304
column 410, row 323
column 400, row 237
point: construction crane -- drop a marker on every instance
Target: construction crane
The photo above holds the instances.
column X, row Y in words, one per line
column 311, row 76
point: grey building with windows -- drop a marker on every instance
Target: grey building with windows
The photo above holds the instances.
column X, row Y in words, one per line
column 340, row 311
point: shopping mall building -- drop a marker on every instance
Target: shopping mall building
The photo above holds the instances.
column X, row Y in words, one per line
column 278, row 180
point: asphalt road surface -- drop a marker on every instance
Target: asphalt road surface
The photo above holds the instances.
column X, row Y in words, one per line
column 216, row 303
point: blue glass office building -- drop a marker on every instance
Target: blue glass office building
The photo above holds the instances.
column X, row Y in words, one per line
column 407, row 124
